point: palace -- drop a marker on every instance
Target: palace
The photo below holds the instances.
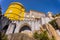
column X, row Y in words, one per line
column 32, row 21
column 25, row 22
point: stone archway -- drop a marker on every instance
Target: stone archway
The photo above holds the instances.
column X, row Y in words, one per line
column 25, row 27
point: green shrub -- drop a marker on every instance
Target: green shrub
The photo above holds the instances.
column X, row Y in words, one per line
column 41, row 36
column 54, row 24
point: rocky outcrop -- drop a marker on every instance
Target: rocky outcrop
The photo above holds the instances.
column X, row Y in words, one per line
column 52, row 31
column 58, row 22
column 19, row 36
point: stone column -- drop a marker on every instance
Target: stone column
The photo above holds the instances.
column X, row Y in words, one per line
column 10, row 28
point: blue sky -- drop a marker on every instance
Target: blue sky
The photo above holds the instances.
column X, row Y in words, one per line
column 38, row 5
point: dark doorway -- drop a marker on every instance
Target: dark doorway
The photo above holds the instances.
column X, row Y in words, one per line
column 25, row 28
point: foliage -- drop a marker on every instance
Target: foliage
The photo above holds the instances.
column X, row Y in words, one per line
column 42, row 36
column 56, row 15
column 3, row 36
column 54, row 24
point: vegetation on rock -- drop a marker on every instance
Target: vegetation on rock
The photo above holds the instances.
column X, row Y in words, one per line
column 42, row 36
column 56, row 15
column 54, row 24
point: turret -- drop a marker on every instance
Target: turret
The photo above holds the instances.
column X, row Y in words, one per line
column 15, row 11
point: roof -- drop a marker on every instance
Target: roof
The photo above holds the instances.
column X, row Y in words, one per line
column 17, row 4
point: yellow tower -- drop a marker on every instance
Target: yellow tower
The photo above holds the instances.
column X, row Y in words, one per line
column 15, row 11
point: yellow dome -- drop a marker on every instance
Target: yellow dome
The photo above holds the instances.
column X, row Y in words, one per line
column 15, row 11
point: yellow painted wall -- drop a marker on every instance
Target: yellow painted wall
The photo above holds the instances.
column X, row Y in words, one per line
column 15, row 11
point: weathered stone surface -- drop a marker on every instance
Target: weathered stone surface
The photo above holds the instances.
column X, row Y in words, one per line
column 4, row 21
column 52, row 31
column 19, row 36
column 58, row 22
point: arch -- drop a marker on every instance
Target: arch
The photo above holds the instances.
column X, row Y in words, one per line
column 25, row 26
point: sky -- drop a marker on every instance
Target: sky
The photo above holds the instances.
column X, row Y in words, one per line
column 38, row 5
